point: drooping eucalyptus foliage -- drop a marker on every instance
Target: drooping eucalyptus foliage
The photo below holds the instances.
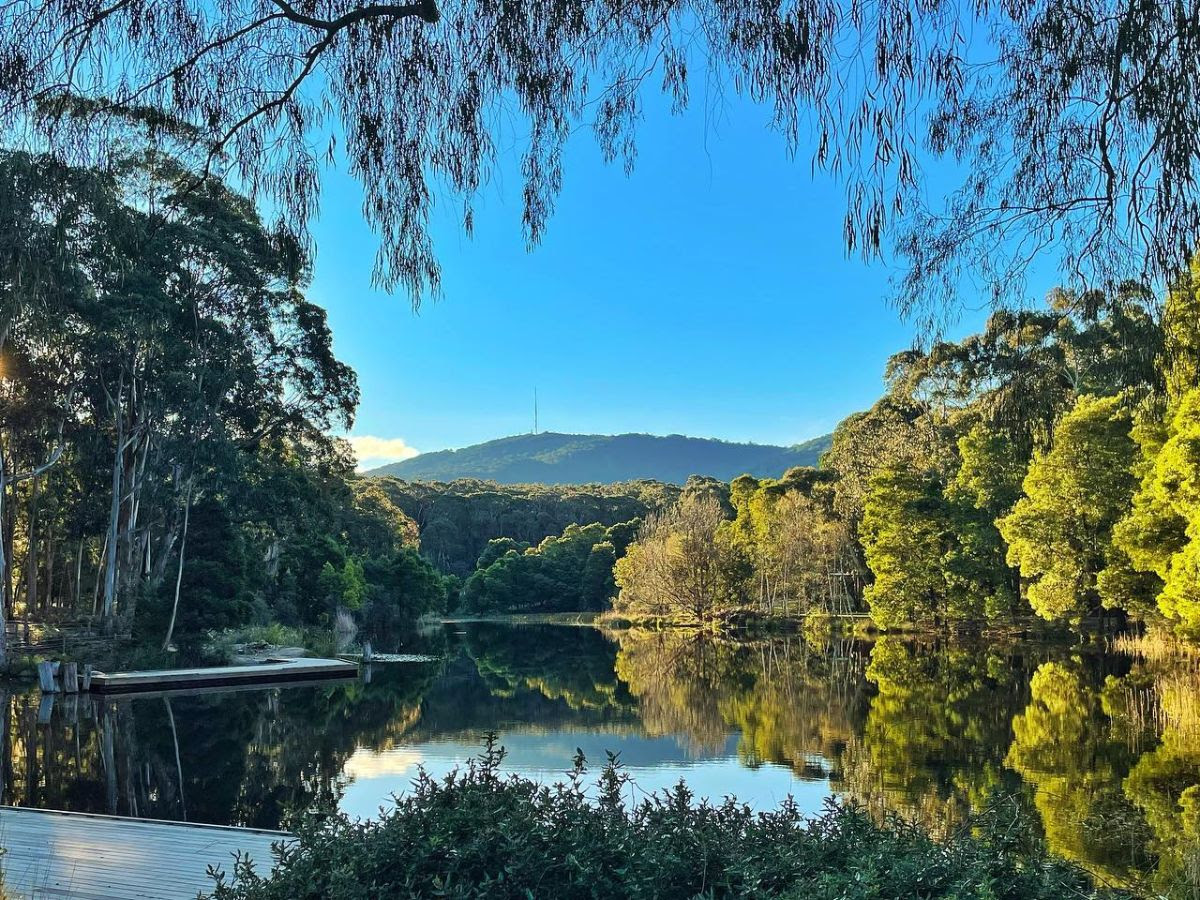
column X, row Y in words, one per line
column 1071, row 127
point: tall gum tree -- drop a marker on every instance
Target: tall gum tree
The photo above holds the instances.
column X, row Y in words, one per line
column 179, row 321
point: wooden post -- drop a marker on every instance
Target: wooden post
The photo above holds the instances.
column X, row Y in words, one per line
column 86, row 684
column 70, row 677
column 46, row 677
column 367, row 655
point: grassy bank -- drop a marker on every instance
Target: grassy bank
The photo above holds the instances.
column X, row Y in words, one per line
column 479, row 834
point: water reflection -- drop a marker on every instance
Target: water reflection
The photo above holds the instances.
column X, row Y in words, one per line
column 1102, row 748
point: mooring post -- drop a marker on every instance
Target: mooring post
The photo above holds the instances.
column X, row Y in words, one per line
column 367, row 654
column 86, row 684
column 46, row 677
column 70, row 677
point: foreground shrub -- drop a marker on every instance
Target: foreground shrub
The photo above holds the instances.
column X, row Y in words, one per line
column 480, row 834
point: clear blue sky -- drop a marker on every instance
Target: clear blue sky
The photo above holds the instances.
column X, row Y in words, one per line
column 708, row 294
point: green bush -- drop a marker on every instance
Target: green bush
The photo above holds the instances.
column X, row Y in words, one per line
column 477, row 834
column 572, row 572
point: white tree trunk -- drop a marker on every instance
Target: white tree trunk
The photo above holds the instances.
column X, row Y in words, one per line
column 114, row 514
column 78, row 579
column 187, row 510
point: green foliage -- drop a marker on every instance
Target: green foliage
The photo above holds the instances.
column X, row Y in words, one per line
column 937, row 559
column 401, row 587
column 374, row 524
column 458, row 520
column 1159, row 536
column 772, row 546
column 572, row 572
column 342, row 588
column 903, row 543
column 686, row 563
column 941, row 461
column 1027, row 366
column 1180, row 359
column 478, row 834
column 990, row 471
column 892, row 432
column 216, row 579
column 498, row 547
column 166, row 361
column 803, row 554
column 1059, row 533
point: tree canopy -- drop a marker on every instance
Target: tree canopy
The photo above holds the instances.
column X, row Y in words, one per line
column 1074, row 127
column 166, row 408
column 1060, row 533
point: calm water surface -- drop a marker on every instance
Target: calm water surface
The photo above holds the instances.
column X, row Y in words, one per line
column 1101, row 748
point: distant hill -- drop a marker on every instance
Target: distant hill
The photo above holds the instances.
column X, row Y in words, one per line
column 550, row 458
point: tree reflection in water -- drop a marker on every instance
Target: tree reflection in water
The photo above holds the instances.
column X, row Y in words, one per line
column 1103, row 749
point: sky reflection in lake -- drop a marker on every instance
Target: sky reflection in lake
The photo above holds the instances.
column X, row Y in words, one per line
column 653, row 763
column 1101, row 749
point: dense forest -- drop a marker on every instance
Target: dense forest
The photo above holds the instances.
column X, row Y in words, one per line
column 166, row 403
column 167, row 466
column 1042, row 467
column 170, row 466
column 549, row 458
column 168, row 392
column 456, row 521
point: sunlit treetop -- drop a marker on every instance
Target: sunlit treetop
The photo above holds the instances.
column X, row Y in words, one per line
column 1072, row 128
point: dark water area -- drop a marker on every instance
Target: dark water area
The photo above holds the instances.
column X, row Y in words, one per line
column 1100, row 746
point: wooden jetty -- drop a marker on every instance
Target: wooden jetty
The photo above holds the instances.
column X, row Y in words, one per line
column 265, row 672
column 79, row 856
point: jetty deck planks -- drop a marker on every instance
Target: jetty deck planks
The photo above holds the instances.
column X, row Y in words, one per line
column 81, row 856
column 283, row 670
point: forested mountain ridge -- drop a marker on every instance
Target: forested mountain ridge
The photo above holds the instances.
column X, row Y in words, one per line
column 552, row 458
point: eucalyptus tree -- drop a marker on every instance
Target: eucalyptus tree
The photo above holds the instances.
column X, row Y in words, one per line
column 1027, row 366
column 38, row 276
column 177, row 328
column 1074, row 126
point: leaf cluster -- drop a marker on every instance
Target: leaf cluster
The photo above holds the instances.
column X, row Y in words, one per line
column 479, row 833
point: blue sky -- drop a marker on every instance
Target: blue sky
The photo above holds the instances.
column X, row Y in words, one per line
column 707, row 294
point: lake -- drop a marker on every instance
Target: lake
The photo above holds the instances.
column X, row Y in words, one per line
column 1101, row 746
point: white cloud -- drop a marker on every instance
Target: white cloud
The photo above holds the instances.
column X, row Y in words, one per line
column 376, row 451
